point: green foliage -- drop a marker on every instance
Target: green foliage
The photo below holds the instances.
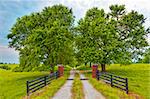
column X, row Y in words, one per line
column 21, row 69
column 67, row 68
column 49, row 37
column 83, row 67
column 44, row 38
column 117, row 11
column 17, row 69
column 11, row 66
column 146, row 58
column 5, row 67
column 42, row 68
column 116, row 37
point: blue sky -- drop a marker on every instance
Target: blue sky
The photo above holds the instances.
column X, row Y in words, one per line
column 10, row 10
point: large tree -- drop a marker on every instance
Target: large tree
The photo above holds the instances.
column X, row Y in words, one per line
column 44, row 38
column 116, row 37
column 146, row 57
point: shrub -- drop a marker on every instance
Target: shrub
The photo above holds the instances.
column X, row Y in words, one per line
column 18, row 69
column 5, row 67
column 42, row 68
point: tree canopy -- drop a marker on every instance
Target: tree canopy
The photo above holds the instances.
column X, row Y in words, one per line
column 146, row 57
column 115, row 37
column 48, row 37
column 44, row 38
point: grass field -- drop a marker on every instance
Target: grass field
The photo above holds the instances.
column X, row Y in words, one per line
column 138, row 77
column 13, row 84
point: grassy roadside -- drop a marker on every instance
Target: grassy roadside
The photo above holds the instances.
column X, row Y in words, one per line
column 49, row 91
column 77, row 88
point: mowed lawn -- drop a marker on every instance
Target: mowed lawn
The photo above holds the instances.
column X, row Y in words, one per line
column 138, row 77
column 13, row 84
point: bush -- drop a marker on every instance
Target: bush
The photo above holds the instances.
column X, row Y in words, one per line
column 28, row 69
column 5, row 67
column 42, row 68
column 18, row 69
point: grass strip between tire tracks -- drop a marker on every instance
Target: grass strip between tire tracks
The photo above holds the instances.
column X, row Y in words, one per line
column 77, row 88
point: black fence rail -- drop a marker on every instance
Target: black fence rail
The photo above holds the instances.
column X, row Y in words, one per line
column 38, row 83
column 113, row 80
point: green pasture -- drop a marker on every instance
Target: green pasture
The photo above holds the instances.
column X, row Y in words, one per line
column 13, row 84
column 138, row 77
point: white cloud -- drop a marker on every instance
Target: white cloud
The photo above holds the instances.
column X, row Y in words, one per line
column 81, row 6
column 8, row 54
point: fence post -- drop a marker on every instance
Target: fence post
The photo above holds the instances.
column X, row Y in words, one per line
column 97, row 74
column 126, row 85
column 27, row 88
column 111, row 81
column 94, row 70
column 45, row 80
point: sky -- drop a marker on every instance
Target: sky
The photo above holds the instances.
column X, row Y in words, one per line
column 10, row 10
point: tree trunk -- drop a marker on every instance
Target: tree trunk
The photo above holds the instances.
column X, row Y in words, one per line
column 103, row 67
column 85, row 64
column 90, row 64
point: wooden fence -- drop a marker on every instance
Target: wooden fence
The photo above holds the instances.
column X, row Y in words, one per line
column 115, row 81
column 38, row 83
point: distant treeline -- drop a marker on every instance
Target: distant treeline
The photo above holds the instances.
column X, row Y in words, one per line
column 6, row 63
